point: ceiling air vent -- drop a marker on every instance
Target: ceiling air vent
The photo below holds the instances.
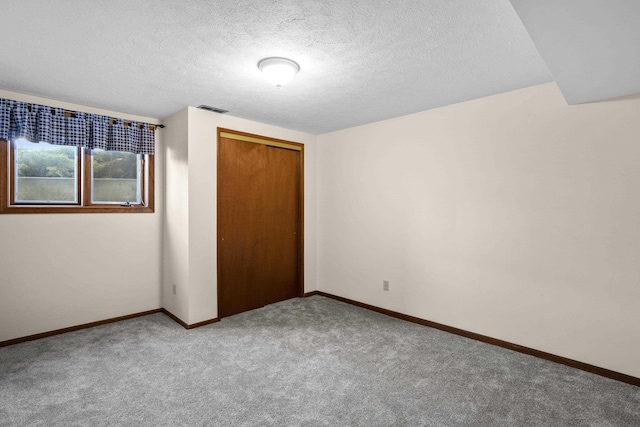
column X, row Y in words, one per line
column 214, row 109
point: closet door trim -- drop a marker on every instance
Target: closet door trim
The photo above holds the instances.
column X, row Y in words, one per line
column 261, row 140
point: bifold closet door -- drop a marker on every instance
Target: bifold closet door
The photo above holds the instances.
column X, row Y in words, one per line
column 258, row 225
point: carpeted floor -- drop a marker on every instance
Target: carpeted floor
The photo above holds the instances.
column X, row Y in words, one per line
column 302, row 362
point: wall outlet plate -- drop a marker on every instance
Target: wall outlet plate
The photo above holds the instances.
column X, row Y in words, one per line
column 385, row 285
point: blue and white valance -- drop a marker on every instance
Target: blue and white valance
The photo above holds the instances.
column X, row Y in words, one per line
column 58, row 126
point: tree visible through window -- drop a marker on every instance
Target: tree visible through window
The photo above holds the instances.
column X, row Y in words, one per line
column 45, row 173
column 116, row 177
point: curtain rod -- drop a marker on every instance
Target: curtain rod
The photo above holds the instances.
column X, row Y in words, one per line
column 69, row 113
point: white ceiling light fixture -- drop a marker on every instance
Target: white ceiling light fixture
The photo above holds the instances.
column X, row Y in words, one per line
column 278, row 71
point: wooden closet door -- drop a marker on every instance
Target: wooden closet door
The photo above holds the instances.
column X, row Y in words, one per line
column 281, row 213
column 258, row 222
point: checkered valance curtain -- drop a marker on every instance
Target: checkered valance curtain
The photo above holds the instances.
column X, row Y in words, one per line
column 38, row 123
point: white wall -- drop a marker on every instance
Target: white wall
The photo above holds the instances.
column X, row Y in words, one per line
column 62, row 270
column 513, row 216
column 175, row 266
column 198, row 254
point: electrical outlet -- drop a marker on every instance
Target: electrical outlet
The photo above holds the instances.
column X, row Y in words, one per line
column 385, row 285
column 174, row 288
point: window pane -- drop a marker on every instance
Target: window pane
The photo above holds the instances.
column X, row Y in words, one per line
column 45, row 173
column 116, row 177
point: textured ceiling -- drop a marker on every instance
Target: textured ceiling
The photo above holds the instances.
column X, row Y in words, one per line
column 361, row 60
column 592, row 47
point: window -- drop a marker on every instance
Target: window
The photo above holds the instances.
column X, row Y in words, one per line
column 83, row 162
column 116, row 177
column 45, row 173
column 46, row 178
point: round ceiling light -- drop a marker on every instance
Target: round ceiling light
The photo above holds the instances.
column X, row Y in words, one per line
column 278, row 71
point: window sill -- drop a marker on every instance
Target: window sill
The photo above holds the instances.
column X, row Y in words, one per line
column 75, row 209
